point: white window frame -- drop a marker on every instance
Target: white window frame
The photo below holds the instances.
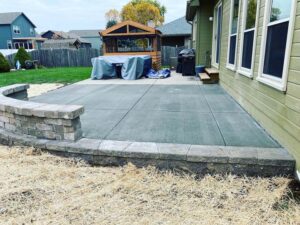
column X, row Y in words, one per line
column 9, row 43
column 214, row 42
column 229, row 65
column 242, row 70
column 16, row 29
column 31, row 30
column 275, row 82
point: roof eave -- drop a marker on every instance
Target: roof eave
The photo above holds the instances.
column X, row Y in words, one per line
column 176, row 35
column 27, row 19
column 191, row 9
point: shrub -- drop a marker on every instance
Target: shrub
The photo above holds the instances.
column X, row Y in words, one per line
column 4, row 64
column 22, row 56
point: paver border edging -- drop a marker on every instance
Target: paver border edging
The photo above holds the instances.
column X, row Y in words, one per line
column 194, row 159
column 48, row 121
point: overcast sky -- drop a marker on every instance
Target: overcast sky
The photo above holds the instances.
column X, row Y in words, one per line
column 68, row 15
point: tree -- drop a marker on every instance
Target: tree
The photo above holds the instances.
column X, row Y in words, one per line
column 111, row 23
column 162, row 8
column 4, row 65
column 112, row 15
column 143, row 11
column 22, row 56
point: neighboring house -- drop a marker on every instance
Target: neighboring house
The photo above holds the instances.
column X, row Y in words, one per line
column 57, row 35
column 255, row 46
column 17, row 30
column 74, row 43
column 60, row 39
column 176, row 33
column 91, row 36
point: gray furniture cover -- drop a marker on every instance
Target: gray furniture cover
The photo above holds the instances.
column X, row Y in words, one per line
column 133, row 66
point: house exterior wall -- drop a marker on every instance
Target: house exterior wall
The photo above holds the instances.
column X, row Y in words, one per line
column 85, row 45
column 5, row 36
column 278, row 112
column 204, row 33
column 95, row 41
column 25, row 27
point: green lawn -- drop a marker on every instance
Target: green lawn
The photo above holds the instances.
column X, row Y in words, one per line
column 64, row 75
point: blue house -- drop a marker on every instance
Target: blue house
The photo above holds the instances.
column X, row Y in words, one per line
column 17, row 30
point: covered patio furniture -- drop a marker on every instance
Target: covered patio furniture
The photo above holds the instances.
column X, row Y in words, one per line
column 132, row 67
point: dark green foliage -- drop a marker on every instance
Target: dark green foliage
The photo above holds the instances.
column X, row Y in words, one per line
column 4, row 64
column 111, row 23
column 22, row 56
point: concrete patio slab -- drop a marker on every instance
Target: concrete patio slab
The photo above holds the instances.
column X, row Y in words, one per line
column 239, row 129
column 99, row 123
column 121, row 97
column 117, row 81
column 222, row 103
column 168, row 127
column 182, row 125
column 179, row 98
column 178, row 110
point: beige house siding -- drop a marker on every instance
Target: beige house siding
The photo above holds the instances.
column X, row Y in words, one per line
column 276, row 111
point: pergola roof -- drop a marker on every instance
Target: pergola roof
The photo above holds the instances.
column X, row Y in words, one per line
column 144, row 30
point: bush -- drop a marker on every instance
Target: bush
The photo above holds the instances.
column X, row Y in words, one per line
column 4, row 64
column 22, row 56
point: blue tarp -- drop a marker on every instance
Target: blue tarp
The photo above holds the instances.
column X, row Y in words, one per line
column 133, row 67
column 165, row 73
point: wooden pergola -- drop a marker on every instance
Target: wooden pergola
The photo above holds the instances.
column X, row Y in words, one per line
column 132, row 38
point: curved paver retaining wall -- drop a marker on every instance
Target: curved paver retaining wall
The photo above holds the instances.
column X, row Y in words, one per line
column 44, row 121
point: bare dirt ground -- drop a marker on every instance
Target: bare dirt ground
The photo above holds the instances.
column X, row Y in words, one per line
column 38, row 188
column 38, row 89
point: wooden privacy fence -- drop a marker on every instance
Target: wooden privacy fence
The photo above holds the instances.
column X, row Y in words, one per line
column 168, row 55
column 62, row 57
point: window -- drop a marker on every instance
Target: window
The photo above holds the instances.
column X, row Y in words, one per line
column 30, row 45
column 276, row 42
column 248, row 37
column 32, row 32
column 9, row 45
column 16, row 29
column 135, row 45
column 17, row 46
column 233, row 30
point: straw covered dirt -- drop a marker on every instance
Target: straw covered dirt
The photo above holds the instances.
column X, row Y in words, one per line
column 38, row 188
